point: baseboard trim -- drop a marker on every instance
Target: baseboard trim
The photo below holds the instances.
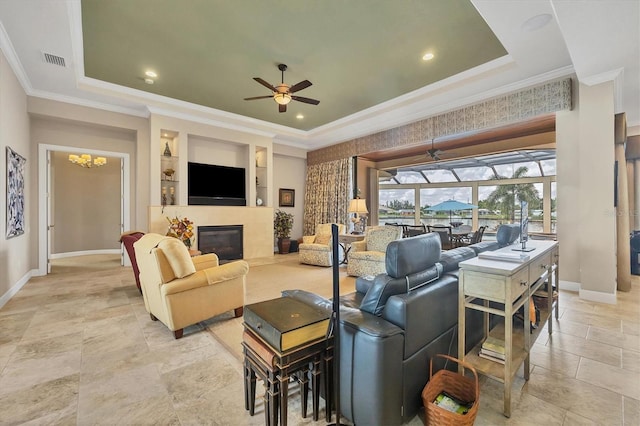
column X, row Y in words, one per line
column 84, row 253
column 598, row 296
column 16, row 287
column 570, row 286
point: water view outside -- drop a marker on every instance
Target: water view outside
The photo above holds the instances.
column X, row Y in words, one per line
column 497, row 204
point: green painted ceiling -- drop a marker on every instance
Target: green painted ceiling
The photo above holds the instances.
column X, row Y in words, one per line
column 357, row 53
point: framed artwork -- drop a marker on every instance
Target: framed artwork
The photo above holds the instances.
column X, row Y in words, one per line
column 287, row 197
column 15, row 193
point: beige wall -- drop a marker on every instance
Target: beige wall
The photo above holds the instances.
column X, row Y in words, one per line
column 586, row 216
column 290, row 173
column 57, row 123
column 18, row 255
column 86, row 205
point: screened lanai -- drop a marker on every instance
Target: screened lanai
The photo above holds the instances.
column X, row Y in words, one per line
column 494, row 183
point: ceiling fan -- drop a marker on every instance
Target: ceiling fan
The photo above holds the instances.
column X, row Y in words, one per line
column 438, row 154
column 282, row 93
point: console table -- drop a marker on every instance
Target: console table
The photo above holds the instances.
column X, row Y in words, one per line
column 510, row 284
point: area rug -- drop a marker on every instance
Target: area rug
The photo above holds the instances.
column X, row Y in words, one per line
column 267, row 281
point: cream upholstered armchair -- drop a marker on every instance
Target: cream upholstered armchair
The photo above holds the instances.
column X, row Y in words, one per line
column 317, row 249
column 181, row 290
column 367, row 257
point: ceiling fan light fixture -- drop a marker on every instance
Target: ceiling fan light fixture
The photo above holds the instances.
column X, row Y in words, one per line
column 282, row 98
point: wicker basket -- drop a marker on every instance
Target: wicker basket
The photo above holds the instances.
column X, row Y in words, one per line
column 457, row 385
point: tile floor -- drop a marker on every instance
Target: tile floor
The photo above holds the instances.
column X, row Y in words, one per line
column 78, row 347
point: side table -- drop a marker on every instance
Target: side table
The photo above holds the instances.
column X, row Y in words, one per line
column 276, row 368
column 345, row 241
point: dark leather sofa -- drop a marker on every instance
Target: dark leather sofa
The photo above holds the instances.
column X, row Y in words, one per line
column 394, row 323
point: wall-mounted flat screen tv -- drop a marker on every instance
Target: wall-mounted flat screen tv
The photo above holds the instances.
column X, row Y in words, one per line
column 212, row 185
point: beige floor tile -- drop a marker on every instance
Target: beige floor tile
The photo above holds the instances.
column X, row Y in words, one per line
column 199, row 381
column 621, row 340
column 586, row 348
column 13, row 326
column 631, row 411
column 41, row 361
column 590, row 401
column 615, row 379
column 555, row 360
column 631, row 360
column 108, row 399
column 132, row 370
column 36, row 402
column 573, row 419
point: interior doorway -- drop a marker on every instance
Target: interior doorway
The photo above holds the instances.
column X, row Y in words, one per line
column 83, row 210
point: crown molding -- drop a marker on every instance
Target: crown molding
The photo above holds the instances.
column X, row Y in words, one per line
column 10, row 53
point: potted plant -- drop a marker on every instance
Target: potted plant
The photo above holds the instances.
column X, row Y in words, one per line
column 282, row 224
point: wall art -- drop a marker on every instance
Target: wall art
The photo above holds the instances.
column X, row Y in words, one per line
column 15, row 193
column 287, row 197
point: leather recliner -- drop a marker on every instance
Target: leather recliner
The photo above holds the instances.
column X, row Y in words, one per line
column 390, row 329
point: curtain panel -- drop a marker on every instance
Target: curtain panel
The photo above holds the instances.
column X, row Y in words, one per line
column 328, row 191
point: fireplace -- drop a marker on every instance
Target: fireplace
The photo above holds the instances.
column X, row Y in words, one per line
column 225, row 241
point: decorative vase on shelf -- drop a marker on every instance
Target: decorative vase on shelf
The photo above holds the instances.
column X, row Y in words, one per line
column 167, row 151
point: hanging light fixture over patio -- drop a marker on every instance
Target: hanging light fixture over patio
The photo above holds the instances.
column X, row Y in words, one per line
column 85, row 160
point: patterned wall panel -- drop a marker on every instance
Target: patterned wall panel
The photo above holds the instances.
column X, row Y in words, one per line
column 524, row 104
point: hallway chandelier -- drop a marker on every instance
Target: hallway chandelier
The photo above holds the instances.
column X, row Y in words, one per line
column 84, row 160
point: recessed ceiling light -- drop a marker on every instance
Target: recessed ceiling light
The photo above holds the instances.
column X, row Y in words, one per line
column 299, row 116
column 427, row 56
column 536, row 22
column 148, row 80
column 151, row 74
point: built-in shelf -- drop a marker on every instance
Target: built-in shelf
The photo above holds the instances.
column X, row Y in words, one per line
column 168, row 181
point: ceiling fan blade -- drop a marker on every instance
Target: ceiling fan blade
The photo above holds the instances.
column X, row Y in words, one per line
column 265, row 84
column 300, row 86
column 282, row 108
column 258, row 97
column 305, row 100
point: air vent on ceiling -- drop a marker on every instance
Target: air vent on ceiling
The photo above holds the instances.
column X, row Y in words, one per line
column 53, row 59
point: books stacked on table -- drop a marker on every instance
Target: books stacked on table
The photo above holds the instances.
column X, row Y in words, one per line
column 493, row 349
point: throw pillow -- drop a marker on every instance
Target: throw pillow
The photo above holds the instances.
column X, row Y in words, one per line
column 323, row 239
column 178, row 256
column 308, row 239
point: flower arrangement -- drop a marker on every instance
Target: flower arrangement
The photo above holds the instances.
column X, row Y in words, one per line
column 181, row 229
column 282, row 224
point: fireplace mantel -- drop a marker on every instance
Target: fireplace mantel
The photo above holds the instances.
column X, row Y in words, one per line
column 257, row 223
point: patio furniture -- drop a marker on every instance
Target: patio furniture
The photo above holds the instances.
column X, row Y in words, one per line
column 444, row 232
column 413, row 230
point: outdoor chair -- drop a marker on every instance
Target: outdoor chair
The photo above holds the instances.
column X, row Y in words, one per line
column 413, row 230
column 476, row 237
column 445, row 235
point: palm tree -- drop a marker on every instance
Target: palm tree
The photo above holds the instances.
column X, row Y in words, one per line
column 505, row 196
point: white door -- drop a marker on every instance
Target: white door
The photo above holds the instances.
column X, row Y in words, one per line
column 123, row 261
column 50, row 223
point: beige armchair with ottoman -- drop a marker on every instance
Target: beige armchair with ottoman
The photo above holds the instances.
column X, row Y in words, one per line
column 367, row 257
column 181, row 290
column 317, row 249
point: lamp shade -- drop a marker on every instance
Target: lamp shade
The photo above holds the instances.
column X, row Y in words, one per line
column 358, row 205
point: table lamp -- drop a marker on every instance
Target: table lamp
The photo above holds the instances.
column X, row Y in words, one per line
column 359, row 207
